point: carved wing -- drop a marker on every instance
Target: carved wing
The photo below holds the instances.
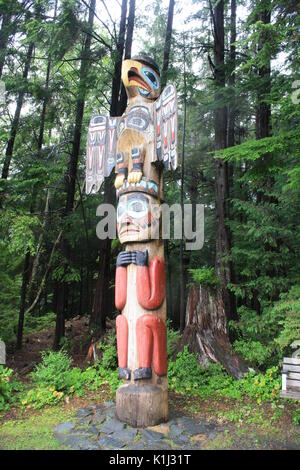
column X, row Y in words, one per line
column 165, row 117
column 101, row 151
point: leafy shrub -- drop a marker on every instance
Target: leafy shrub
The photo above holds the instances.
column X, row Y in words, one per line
column 296, row 416
column 33, row 324
column 109, row 354
column 53, row 370
column 186, row 376
column 41, row 396
column 264, row 339
column 5, row 387
column 205, row 276
column 254, row 351
column 56, row 380
column 8, row 386
column 172, row 339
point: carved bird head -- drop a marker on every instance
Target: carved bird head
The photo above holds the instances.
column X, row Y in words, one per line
column 141, row 76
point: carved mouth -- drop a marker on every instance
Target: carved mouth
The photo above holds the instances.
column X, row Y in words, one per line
column 133, row 76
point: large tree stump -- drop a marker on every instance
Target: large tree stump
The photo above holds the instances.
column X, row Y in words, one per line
column 206, row 330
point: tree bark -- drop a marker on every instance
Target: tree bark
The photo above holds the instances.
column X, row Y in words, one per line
column 103, row 300
column 127, row 53
column 231, row 77
column 4, row 36
column 167, row 46
column 72, row 173
column 16, row 119
column 263, row 109
column 23, row 298
column 206, row 330
column 223, row 247
column 182, row 280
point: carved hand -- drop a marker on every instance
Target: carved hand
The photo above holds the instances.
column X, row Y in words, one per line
column 135, row 176
column 119, row 180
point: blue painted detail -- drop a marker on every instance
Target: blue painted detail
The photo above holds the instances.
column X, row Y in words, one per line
column 143, row 92
column 150, row 77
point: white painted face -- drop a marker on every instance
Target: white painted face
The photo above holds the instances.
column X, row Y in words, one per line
column 135, row 219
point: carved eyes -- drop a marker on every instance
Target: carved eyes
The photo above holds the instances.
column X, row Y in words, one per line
column 150, row 77
column 135, row 209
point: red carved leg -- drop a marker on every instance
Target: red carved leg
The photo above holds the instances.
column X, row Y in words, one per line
column 151, row 345
column 121, row 287
column 122, row 346
column 151, row 284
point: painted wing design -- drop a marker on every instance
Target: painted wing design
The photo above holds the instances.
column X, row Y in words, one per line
column 101, row 151
column 165, row 115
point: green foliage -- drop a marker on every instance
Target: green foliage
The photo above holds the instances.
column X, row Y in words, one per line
column 109, row 356
column 296, row 416
column 173, row 338
column 264, row 339
column 53, row 370
column 5, row 387
column 205, row 276
column 55, row 380
column 34, row 323
column 9, row 385
column 186, row 376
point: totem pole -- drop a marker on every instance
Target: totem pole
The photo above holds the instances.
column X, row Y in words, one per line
column 139, row 145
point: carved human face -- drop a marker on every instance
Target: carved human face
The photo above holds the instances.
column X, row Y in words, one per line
column 140, row 79
column 137, row 217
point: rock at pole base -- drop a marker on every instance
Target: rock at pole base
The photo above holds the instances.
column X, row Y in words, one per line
column 142, row 405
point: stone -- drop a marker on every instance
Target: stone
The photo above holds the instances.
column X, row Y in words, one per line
column 111, row 412
column 88, row 430
column 99, row 418
column 182, row 440
column 109, row 404
column 84, row 412
column 151, row 436
column 64, row 428
column 108, row 442
column 80, row 442
column 175, row 431
column 163, row 428
column 111, row 426
column 127, row 435
column 85, row 420
column 191, row 426
column 199, row 438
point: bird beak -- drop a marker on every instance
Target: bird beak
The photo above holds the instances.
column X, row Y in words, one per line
column 131, row 75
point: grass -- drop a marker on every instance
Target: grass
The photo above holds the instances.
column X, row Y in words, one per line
column 34, row 432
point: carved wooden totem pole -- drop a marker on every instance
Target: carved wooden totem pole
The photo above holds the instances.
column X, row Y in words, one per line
column 139, row 145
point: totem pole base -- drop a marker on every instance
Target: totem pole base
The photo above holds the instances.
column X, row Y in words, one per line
column 142, row 405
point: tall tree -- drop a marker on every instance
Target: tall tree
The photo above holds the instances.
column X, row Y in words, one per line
column 223, row 246
column 72, row 169
column 167, row 46
column 103, row 301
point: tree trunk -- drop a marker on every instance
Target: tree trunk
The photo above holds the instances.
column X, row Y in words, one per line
column 263, row 109
column 223, row 267
column 231, row 77
column 206, row 330
column 72, row 173
column 182, row 281
column 4, row 36
column 167, row 45
column 16, row 119
column 103, row 301
column 23, row 299
column 127, row 54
